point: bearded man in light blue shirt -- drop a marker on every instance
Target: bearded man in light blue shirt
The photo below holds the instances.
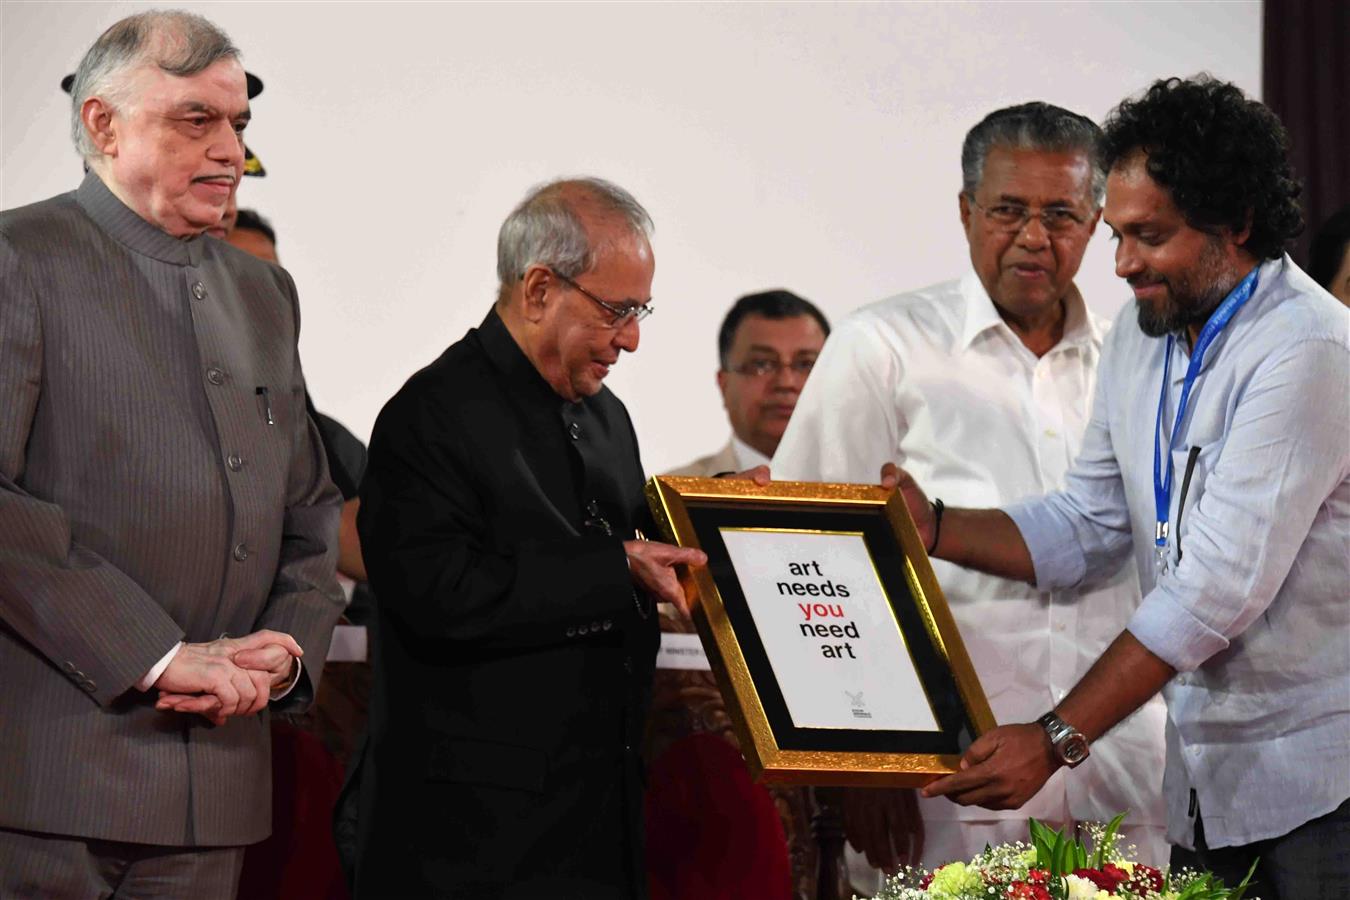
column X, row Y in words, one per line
column 1219, row 454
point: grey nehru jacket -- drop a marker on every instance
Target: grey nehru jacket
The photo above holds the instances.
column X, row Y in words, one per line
column 145, row 499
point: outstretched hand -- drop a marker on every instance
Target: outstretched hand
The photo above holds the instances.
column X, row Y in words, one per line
column 652, row 566
column 1003, row 769
column 895, row 478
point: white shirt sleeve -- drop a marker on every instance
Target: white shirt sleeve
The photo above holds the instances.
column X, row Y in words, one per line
column 148, row 681
column 845, row 425
column 299, row 670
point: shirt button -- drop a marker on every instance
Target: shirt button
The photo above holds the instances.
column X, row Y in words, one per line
column 215, row 376
column 574, row 430
column 240, row 552
column 235, row 462
column 199, row 290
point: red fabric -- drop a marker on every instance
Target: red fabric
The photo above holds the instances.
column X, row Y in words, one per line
column 299, row 861
column 712, row 832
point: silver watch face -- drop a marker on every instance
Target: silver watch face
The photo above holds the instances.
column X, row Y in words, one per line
column 1074, row 749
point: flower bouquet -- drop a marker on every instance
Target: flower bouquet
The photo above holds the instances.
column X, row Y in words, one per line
column 1055, row 867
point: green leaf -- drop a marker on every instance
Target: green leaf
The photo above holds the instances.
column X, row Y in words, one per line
column 1241, row 889
column 1107, row 841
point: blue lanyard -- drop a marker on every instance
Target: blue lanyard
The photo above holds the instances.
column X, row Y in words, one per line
column 1218, row 320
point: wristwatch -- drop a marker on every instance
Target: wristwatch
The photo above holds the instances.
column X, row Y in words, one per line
column 1067, row 742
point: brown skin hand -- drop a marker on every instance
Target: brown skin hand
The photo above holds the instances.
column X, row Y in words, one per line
column 1005, row 767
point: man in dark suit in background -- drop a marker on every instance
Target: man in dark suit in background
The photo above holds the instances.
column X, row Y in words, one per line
column 517, row 626
column 160, row 488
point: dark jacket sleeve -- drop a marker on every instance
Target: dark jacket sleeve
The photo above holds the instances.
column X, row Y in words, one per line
column 428, row 504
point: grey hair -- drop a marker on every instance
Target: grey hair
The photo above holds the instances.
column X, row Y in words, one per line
column 1033, row 126
column 546, row 229
column 180, row 43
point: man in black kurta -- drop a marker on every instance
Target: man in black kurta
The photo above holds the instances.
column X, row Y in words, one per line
column 517, row 633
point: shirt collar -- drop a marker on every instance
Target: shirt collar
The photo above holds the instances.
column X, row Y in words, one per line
column 747, row 456
column 981, row 315
column 126, row 227
column 505, row 354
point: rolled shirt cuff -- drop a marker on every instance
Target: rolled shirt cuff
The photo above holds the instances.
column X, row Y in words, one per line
column 1056, row 556
column 1172, row 633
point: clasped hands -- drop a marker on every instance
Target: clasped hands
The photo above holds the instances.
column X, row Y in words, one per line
column 228, row 676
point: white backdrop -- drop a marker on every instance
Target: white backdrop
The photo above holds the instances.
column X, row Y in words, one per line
column 810, row 146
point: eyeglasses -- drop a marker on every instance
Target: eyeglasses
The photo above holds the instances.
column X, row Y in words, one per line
column 1013, row 217
column 758, row 368
column 622, row 312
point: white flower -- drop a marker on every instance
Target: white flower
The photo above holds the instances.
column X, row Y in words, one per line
column 1083, row 889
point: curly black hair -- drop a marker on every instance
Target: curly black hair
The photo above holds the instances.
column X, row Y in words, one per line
column 1221, row 156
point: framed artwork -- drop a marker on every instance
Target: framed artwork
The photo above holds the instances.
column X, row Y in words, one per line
column 832, row 644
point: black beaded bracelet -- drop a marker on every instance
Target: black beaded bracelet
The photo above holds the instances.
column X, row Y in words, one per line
column 938, row 507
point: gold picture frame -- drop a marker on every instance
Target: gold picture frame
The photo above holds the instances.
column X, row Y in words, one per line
column 778, row 742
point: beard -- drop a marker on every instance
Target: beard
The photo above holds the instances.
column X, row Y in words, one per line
column 1191, row 297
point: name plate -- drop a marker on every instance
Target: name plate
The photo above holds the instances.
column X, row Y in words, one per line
column 826, row 630
column 683, row 652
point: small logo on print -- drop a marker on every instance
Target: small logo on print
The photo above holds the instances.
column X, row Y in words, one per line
column 859, row 708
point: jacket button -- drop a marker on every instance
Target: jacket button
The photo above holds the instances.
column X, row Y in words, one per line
column 235, row 462
column 574, row 430
column 89, row 686
column 581, row 630
column 215, row 376
column 571, row 632
column 199, row 290
column 608, row 625
column 70, row 667
column 240, row 552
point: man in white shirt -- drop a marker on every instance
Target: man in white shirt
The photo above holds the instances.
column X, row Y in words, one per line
column 984, row 386
column 766, row 347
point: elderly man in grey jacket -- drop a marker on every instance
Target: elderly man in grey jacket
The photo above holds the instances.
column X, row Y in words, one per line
column 167, row 524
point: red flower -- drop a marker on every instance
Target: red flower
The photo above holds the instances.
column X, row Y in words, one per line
column 1025, row 890
column 1111, row 870
column 1038, row 876
column 928, row 879
column 1145, row 879
column 1106, row 879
